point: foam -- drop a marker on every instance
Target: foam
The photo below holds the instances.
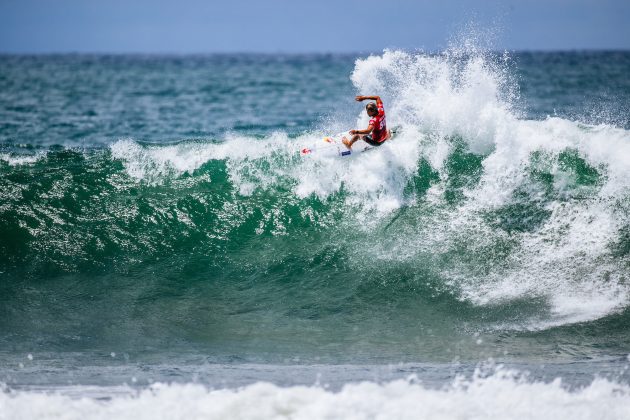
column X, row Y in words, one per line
column 375, row 180
column 14, row 160
column 567, row 260
column 504, row 394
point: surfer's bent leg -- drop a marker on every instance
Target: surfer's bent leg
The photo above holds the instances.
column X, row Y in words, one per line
column 350, row 142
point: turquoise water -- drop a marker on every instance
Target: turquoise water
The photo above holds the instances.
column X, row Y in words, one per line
column 157, row 222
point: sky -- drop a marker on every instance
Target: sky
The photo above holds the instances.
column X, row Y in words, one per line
column 297, row 26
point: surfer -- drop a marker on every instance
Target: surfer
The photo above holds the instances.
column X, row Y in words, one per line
column 377, row 131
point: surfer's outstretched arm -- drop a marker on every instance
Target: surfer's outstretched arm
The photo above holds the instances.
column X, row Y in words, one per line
column 371, row 98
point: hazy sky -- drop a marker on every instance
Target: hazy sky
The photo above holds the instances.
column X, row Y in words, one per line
column 187, row 26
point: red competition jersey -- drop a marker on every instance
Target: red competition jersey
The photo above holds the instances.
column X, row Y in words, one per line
column 379, row 132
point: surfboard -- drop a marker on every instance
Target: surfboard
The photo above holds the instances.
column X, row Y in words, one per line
column 333, row 146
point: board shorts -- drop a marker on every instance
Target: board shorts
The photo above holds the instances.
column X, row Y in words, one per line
column 369, row 140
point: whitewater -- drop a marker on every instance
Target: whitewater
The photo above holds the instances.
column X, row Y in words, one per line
column 502, row 395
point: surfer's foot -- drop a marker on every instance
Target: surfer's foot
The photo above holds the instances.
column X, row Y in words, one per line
column 347, row 143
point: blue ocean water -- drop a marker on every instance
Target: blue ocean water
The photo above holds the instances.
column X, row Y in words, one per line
column 158, row 225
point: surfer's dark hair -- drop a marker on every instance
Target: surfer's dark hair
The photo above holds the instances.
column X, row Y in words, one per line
column 371, row 107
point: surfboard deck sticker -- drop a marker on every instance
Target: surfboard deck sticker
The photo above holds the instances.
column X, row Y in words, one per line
column 333, row 146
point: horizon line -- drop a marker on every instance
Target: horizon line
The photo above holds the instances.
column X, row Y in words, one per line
column 294, row 53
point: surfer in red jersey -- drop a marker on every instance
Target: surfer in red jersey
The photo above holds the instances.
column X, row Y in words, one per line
column 377, row 131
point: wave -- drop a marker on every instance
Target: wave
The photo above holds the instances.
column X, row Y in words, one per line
column 470, row 199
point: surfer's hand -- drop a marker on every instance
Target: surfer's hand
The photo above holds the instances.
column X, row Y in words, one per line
column 353, row 131
column 359, row 98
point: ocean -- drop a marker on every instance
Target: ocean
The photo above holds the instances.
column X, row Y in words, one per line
column 166, row 252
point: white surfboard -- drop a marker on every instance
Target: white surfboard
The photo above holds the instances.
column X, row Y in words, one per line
column 333, row 146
